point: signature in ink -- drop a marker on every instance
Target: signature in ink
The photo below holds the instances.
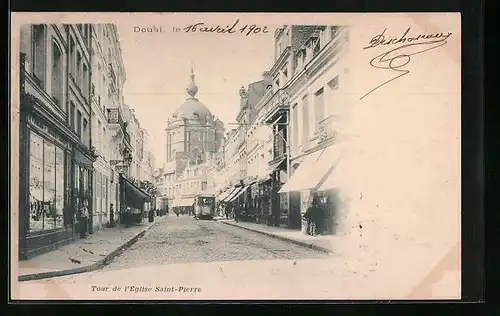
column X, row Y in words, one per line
column 400, row 56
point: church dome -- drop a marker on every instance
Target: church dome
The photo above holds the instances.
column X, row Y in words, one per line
column 192, row 108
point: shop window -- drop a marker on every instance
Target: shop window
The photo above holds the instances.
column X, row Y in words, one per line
column 46, row 186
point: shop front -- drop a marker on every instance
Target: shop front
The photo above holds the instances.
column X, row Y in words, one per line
column 45, row 212
column 241, row 199
column 133, row 202
column 306, row 182
column 47, row 177
column 278, row 203
column 82, row 190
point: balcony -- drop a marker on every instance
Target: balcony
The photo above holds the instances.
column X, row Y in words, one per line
column 277, row 104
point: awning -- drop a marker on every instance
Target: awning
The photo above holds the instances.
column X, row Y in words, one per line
column 240, row 192
column 236, row 190
column 333, row 179
column 133, row 194
column 274, row 166
column 182, row 202
column 312, row 172
column 225, row 194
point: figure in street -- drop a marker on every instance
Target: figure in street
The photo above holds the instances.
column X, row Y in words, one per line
column 111, row 215
column 314, row 217
column 84, row 217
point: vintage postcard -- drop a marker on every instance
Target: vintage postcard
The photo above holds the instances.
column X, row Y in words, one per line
column 235, row 156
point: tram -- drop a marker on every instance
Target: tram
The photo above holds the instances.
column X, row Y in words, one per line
column 204, row 206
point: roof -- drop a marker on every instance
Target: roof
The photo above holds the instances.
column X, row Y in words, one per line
column 194, row 110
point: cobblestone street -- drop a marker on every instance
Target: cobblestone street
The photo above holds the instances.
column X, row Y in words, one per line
column 186, row 240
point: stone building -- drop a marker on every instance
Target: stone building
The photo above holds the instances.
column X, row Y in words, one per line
column 107, row 80
column 55, row 155
column 193, row 137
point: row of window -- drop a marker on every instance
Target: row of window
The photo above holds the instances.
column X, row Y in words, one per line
column 186, row 188
column 99, row 138
column 101, row 185
column 77, row 68
column 301, row 117
column 79, row 124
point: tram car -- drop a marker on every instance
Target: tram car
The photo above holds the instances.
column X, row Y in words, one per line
column 204, row 206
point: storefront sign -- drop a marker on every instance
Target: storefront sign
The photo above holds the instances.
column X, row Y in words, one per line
column 44, row 128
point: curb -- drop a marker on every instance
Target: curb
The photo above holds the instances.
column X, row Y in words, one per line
column 95, row 266
column 293, row 241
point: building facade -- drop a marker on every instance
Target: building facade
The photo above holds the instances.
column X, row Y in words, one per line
column 56, row 157
column 242, row 152
column 314, row 101
column 193, row 137
column 280, row 128
column 107, row 80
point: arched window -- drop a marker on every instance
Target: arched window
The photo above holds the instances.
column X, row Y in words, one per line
column 39, row 53
column 57, row 74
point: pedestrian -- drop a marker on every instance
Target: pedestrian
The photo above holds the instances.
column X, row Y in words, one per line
column 151, row 215
column 237, row 212
column 84, row 217
column 314, row 217
column 111, row 216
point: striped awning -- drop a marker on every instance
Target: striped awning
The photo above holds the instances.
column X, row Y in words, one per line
column 238, row 193
column 234, row 193
column 223, row 197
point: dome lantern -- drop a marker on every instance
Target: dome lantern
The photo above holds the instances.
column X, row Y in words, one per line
column 192, row 88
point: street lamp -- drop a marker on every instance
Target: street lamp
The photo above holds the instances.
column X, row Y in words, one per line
column 125, row 163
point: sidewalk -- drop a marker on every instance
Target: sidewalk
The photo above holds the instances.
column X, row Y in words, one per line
column 320, row 243
column 84, row 255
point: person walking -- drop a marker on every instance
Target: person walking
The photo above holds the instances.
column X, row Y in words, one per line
column 314, row 217
column 151, row 216
column 111, row 215
column 84, row 217
column 237, row 213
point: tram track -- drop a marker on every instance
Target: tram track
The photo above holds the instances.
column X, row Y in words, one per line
column 249, row 243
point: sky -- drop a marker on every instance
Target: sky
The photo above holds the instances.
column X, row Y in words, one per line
column 158, row 66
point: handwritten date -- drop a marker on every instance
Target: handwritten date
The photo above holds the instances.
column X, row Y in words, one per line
column 246, row 29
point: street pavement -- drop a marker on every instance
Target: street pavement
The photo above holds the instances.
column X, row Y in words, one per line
column 182, row 258
column 186, row 240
